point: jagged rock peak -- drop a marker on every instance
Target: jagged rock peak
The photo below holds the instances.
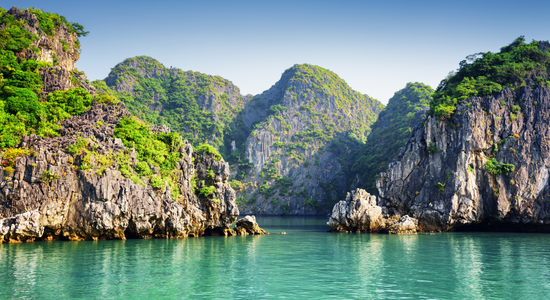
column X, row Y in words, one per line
column 293, row 123
column 57, row 43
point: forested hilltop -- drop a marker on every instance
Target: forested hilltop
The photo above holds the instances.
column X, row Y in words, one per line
column 77, row 165
column 293, row 169
column 200, row 107
column 269, row 139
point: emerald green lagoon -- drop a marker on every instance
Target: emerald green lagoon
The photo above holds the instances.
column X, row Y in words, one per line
column 306, row 263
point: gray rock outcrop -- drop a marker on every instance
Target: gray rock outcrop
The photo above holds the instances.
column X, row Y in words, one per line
column 88, row 204
column 489, row 165
column 405, row 225
column 358, row 213
column 361, row 213
column 248, row 225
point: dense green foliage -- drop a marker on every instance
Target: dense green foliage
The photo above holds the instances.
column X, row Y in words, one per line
column 22, row 111
column 209, row 149
column 361, row 110
column 496, row 168
column 159, row 150
column 49, row 21
column 486, row 73
column 163, row 96
column 389, row 133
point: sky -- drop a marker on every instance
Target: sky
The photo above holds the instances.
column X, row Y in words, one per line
column 377, row 47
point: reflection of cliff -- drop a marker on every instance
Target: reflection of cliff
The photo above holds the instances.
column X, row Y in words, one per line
column 465, row 251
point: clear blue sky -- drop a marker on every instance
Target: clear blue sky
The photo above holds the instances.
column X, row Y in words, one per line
column 375, row 46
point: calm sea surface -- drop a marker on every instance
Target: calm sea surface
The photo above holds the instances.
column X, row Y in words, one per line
column 307, row 263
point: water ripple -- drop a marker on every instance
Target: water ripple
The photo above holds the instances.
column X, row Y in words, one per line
column 308, row 262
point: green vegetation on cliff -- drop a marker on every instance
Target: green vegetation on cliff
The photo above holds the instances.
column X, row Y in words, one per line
column 25, row 107
column 306, row 111
column 486, row 73
column 159, row 150
column 193, row 104
column 389, row 133
column 23, row 111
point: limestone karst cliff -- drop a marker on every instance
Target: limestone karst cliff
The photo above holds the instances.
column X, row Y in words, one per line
column 278, row 143
column 406, row 109
column 447, row 177
column 55, row 194
column 293, row 168
column 56, row 43
column 480, row 160
column 80, row 167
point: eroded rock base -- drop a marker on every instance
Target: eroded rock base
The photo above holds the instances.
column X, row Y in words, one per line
column 360, row 213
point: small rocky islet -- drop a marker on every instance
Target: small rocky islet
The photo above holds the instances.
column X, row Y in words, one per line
column 88, row 161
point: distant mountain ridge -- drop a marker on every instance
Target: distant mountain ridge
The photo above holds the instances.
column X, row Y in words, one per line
column 263, row 137
column 196, row 105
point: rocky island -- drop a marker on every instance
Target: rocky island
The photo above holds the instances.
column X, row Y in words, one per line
column 77, row 165
column 479, row 161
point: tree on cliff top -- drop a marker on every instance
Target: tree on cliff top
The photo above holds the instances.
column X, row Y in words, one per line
column 485, row 73
column 21, row 85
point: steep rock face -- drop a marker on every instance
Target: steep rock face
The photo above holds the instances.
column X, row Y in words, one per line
column 406, row 109
column 47, row 197
column 77, row 180
column 292, row 171
column 488, row 166
column 60, row 48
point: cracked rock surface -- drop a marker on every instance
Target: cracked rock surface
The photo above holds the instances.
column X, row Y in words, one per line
column 441, row 177
column 86, row 205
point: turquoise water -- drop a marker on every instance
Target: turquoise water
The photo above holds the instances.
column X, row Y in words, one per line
column 307, row 263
